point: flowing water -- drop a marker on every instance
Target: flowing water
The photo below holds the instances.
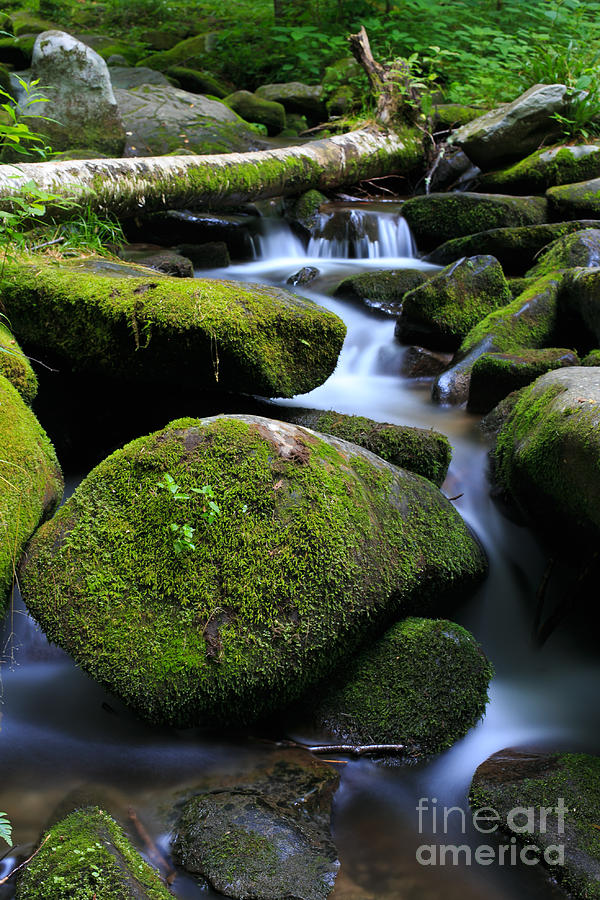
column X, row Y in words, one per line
column 60, row 732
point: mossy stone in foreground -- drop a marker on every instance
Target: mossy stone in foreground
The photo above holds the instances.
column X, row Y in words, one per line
column 495, row 375
column 87, row 857
column 521, row 779
column 544, row 169
column 15, row 366
column 30, row 480
column 423, row 685
column 318, row 543
column 213, row 334
column 581, row 249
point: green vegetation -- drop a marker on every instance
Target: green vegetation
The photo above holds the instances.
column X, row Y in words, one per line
column 5, row 829
column 183, row 534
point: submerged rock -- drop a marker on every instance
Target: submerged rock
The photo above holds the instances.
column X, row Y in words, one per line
column 215, row 334
column 515, row 129
column 303, row 276
column 436, row 218
column 87, row 855
column 423, row 685
column 441, row 312
column 495, row 375
column 317, row 541
column 15, row 366
column 382, row 290
column 544, row 169
column 30, row 480
column 266, row 838
column 519, row 784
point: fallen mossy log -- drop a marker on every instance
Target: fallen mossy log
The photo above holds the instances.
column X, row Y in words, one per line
column 127, row 187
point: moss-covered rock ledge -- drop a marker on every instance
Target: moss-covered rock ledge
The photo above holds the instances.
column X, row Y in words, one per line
column 319, row 544
column 15, row 366
column 212, row 334
column 30, row 480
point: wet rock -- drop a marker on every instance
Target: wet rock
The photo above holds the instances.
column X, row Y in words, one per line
column 436, row 218
column 302, row 99
column 211, row 255
column 515, row 129
column 153, row 328
column 15, row 366
column 253, row 108
column 495, row 375
column 575, row 201
column 199, row 82
column 304, row 210
column 452, row 169
column 516, row 249
column 317, row 540
column 383, row 290
column 528, row 322
column 303, row 276
column 581, row 249
column 128, row 77
column 162, row 119
column 544, row 169
column 267, row 839
column 153, row 257
column 548, row 455
column 85, row 855
column 30, row 480
column 580, row 305
column 81, row 109
column 441, row 312
column 497, row 417
column 181, row 226
column 418, row 362
column 423, row 685
column 518, row 783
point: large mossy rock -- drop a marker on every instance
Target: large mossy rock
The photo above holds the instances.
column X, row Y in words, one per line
column 382, row 290
column 215, row 334
column 440, row 313
column 579, row 306
column 578, row 250
column 253, row 108
column 266, row 837
column 528, row 322
column 317, row 541
column 435, row 218
column 198, row 82
column 516, row 249
column 515, row 129
column 15, row 366
column 82, row 110
column 514, row 782
column 422, row 685
column 548, row 454
column 495, row 375
column 87, row 855
column 190, row 53
column 30, row 480
column 545, row 169
column 162, row 119
column 575, row 201
column 302, row 99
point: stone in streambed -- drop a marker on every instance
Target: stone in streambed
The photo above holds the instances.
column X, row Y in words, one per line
column 419, row 362
column 423, row 685
column 544, row 169
column 575, row 201
column 210, row 255
column 318, row 543
column 495, row 375
column 198, row 82
column 578, row 250
column 303, row 276
column 302, row 99
column 383, row 290
column 169, row 262
column 441, row 312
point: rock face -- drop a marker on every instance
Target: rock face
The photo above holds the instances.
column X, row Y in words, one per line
column 514, row 779
column 317, row 541
column 77, row 82
column 383, row 290
column 216, row 334
column 495, row 375
column 163, row 119
column 545, row 169
column 513, row 130
column 436, row 218
column 269, row 838
column 127, row 77
column 87, row 855
column 441, row 312
column 548, row 454
column 30, row 480
column 423, row 685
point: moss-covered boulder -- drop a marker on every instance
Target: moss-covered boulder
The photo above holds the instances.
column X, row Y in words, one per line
column 190, row 53
column 302, row 99
column 383, row 290
column 575, row 201
column 579, row 306
column 581, row 249
column 548, row 454
column 15, row 366
column 87, row 855
column 495, row 375
column 268, row 837
column 527, row 322
column 152, row 256
column 30, row 480
column 199, row 82
column 422, row 685
column 215, row 334
column 544, row 169
column 518, row 784
column 253, row 108
column 317, row 541
column 452, row 115
column 17, row 51
column 435, row 218
column 592, row 359
column 441, row 312
column 304, row 210
column 515, row 248
column 425, row 452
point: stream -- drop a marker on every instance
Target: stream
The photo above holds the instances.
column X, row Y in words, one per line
column 60, row 732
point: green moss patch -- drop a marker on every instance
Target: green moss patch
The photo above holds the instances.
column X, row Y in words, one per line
column 15, row 366
column 495, row 375
column 544, row 169
column 581, row 249
column 575, row 201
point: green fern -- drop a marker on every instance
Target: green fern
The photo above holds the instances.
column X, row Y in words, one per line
column 5, row 829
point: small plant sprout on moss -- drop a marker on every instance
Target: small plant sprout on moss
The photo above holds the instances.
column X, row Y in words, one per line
column 183, row 534
column 5, row 829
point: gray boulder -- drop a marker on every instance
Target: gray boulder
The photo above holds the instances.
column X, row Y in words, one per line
column 516, row 129
column 128, row 77
column 80, row 96
column 303, row 99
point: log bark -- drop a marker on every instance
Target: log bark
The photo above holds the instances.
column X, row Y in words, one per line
column 127, row 187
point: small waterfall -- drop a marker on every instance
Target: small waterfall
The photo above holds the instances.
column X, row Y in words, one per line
column 274, row 239
column 355, row 233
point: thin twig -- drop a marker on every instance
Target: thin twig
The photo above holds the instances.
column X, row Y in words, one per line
column 23, row 864
column 348, row 749
column 153, row 851
column 58, row 240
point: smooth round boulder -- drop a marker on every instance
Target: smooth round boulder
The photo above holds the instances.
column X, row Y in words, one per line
column 256, row 109
column 196, row 616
